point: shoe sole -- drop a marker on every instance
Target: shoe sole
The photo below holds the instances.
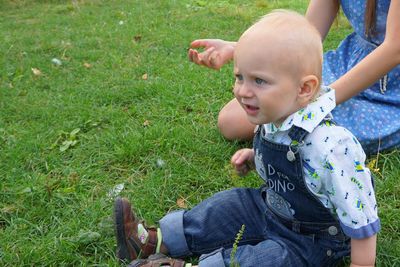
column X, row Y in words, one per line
column 122, row 248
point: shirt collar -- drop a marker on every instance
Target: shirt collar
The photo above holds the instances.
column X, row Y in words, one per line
column 309, row 117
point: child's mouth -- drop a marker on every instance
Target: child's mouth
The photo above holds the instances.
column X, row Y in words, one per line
column 251, row 110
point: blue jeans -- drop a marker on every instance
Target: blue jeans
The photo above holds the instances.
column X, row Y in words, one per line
column 210, row 229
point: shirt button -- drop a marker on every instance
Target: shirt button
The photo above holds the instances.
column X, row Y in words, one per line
column 329, row 252
column 332, row 230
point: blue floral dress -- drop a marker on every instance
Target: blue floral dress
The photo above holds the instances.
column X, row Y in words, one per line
column 373, row 116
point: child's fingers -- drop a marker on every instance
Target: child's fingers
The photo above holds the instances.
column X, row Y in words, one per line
column 240, row 161
column 239, row 157
column 235, row 157
column 242, row 170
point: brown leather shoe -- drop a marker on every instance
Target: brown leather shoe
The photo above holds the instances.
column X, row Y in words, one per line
column 129, row 245
column 157, row 260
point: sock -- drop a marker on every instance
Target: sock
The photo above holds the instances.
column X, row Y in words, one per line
column 142, row 233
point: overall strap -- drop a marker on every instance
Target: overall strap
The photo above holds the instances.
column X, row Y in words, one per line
column 297, row 134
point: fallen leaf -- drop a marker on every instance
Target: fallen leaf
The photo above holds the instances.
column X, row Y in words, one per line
column 115, row 191
column 9, row 209
column 181, row 202
column 137, row 38
column 87, row 237
column 188, row 109
column 144, row 76
column 73, row 133
column 56, row 62
column 87, row 65
column 26, row 190
column 36, row 72
column 160, row 163
column 67, row 190
column 373, row 166
column 201, row 3
column 23, row 93
column 65, row 145
column 146, row 123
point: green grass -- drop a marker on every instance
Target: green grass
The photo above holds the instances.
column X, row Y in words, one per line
column 54, row 205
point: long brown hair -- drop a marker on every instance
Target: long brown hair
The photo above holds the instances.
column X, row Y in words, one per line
column 370, row 18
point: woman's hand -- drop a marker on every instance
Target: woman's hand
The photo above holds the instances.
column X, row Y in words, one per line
column 216, row 52
column 243, row 161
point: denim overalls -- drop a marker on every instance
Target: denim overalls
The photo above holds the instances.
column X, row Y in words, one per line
column 285, row 224
column 287, row 194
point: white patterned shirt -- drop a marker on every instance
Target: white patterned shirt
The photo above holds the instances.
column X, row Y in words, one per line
column 334, row 166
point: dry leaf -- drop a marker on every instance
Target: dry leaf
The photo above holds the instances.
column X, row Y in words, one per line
column 56, row 62
column 87, row 65
column 9, row 209
column 36, row 71
column 137, row 38
column 373, row 166
column 181, row 202
column 144, row 76
column 146, row 123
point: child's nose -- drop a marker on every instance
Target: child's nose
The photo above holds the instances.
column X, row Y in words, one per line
column 244, row 90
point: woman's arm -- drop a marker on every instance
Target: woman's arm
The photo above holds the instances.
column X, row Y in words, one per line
column 363, row 252
column 374, row 66
column 321, row 14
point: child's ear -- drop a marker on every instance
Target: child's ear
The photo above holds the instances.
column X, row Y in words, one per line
column 308, row 88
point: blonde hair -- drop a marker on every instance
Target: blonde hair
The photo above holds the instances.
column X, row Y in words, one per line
column 301, row 39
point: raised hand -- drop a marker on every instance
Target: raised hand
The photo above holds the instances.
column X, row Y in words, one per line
column 216, row 52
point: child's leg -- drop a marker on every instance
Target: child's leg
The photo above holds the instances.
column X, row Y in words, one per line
column 215, row 222
column 267, row 253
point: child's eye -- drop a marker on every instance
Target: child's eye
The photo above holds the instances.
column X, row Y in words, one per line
column 239, row 77
column 259, row 81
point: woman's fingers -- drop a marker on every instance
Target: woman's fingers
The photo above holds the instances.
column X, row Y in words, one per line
column 200, row 43
column 208, row 57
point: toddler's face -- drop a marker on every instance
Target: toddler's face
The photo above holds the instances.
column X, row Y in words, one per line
column 265, row 87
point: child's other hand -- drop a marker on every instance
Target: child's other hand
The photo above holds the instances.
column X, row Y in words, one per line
column 243, row 161
column 216, row 52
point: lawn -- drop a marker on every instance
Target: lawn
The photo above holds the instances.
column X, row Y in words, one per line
column 97, row 99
